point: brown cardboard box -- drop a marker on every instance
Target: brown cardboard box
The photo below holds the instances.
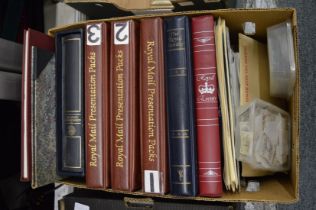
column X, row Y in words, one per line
column 130, row 4
column 106, row 8
column 97, row 200
column 281, row 188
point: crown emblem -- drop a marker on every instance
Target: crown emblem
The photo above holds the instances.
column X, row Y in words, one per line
column 204, row 39
column 206, row 88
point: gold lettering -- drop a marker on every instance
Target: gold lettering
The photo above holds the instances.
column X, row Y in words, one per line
column 92, row 112
column 94, row 156
column 151, row 95
column 119, row 112
column 72, row 119
column 175, row 39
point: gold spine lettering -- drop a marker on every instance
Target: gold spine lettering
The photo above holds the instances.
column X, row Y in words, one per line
column 92, row 113
column 175, row 39
column 151, row 95
column 119, row 112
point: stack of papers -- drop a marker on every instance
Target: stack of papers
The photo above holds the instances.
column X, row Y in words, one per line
column 227, row 77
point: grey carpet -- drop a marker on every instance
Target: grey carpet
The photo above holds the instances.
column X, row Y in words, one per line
column 306, row 12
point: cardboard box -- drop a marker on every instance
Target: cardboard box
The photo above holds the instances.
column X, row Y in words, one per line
column 96, row 9
column 97, row 200
column 130, row 5
column 279, row 188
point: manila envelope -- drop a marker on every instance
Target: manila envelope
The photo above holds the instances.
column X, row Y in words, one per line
column 254, row 83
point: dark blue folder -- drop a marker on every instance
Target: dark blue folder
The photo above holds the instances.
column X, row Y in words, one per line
column 180, row 104
column 70, row 103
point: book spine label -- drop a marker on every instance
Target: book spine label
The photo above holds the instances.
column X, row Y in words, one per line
column 153, row 108
column 181, row 125
column 70, row 102
column 96, row 122
column 125, row 162
column 206, row 106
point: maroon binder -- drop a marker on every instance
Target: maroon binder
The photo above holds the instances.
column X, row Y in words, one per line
column 124, row 76
column 206, row 105
column 43, row 41
column 97, row 113
column 153, row 132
